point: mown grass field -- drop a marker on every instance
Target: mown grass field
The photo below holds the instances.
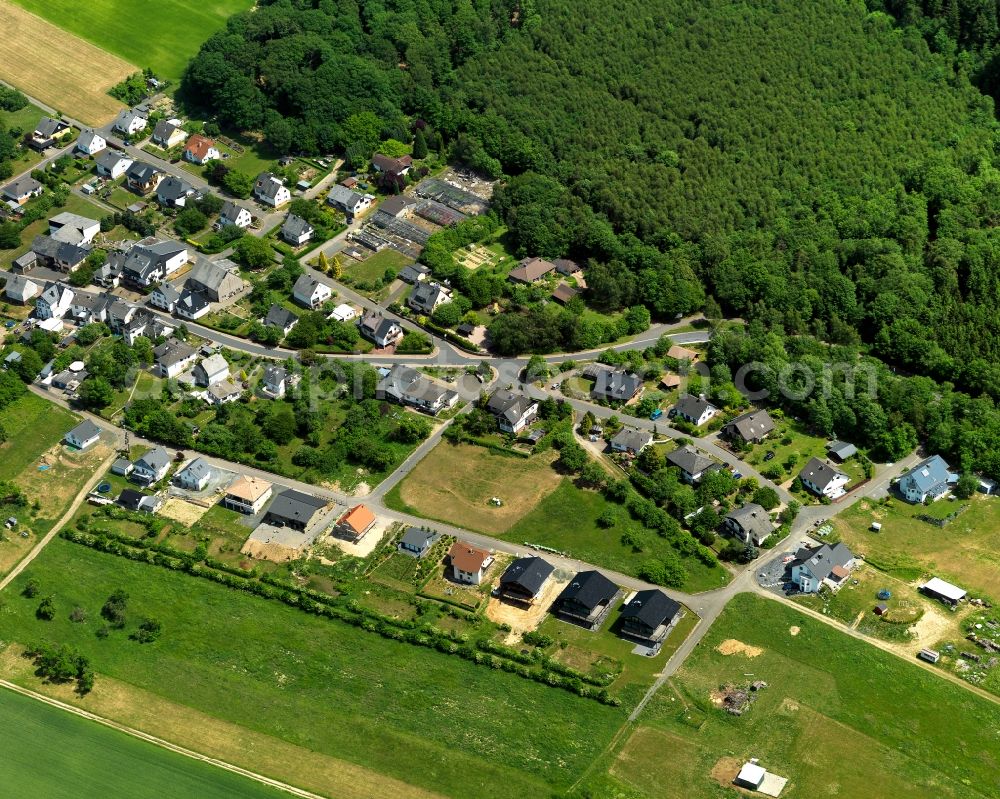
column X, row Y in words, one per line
column 86, row 760
column 838, row 718
column 427, row 719
column 164, row 40
column 966, row 551
column 371, row 269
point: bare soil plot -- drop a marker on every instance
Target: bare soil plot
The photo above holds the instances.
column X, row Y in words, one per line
column 366, row 545
column 57, row 67
column 187, row 513
column 456, row 482
column 525, row 619
column 733, row 647
column 68, row 469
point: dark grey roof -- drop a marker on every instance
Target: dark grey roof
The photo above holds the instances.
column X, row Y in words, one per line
column 274, row 374
column 412, row 273
column 691, row 406
column 416, row 538
column 267, row 185
column 426, row 295
column 394, row 205
column 296, row 506
column 130, row 499
column 511, row 405
column 565, row 267
column 820, row 561
column 589, row 589
column 48, row 127
column 85, row 430
column 280, row 317
column 752, row 518
column 87, row 138
column 170, row 294
column 23, row 185
column 295, row 227
column 142, row 172
column 617, row 384
column 651, row 608
column 820, row 474
column 754, row 424
column 192, row 301
column 173, row 188
column 163, row 130
column 61, row 251
column 197, row 469
column 154, row 460
column 306, row 285
column 109, row 158
column 689, row 459
column 841, row 449
column 632, row 439
column 528, row 573
column 231, row 210
column 343, row 196
column 172, row 351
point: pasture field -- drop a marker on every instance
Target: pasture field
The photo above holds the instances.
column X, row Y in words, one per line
column 372, row 269
column 455, row 482
column 170, row 35
column 966, row 551
column 426, row 719
column 567, row 520
column 838, row 718
column 85, row 760
column 47, row 62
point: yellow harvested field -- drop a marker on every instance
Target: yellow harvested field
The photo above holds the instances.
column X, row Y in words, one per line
column 58, row 68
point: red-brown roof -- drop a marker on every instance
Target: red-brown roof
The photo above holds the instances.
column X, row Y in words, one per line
column 839, row 572
column 359, row 518
column 466, row 557
column 199, row 146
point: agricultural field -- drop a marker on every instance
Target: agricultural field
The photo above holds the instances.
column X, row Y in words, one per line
column 838, row 718
column 43, row 60
column 458, row 730
column 966, row 551
column 84, row 758
column 170, row 37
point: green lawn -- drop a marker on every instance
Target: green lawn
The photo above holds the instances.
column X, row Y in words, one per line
column 793, row 446
column 33, row 425
column 86, row 760
column 966, row 551
column 169, row 38
column 373, row 268
column 566, row 520
column 429, row 719
column 838, row 718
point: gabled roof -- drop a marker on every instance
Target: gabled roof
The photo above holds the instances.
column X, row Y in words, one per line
column 231, row 210
column 199, row 146
column 193, row 301
column 341, row 195
column 692, row 406
column 268, row 185
column 154, row 460
column 164, row 130
column 87, row 138
column 841, row 450
column 62, row 251
column 564, row 266
column 85, row 430
column 426, row 295
column 208, row 275
column 306, row 285
column 680, row 353
column 589, row 589
column 752, row 518
column 213, row 365
column 142, row 172
column 689, row 460
column 651, row 608
column 173, row 351
column 528, row 573
column 56, row 294
column 412, row 273
column 47, row 127
column 564, row 293
column 511, row 405
column 754, row 424
column 296, row 226
column 389, row 164
column 467, row 558
column 274, row 374
column 416, row 538
column 819, row 473
column 173, row 188
column 110, row 158
column 617, row 384
column 130, row 499
column 927, row 474
column 396, row 204
column 197, row 469
column 632, row 438
column 822, row 560
column 168, row 292
column 280, row 317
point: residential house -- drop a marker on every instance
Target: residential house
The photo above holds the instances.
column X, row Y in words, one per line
column 750, row 523
column 136, row 501
column 295, row 509
column 691, row 462
column 468, row 563
column 13, row 357
column 587, row 599
column 174, row 192
column 20, row 289
column 151, row 467
column 152, row 260
column 48, row 132
column 343, row 313
column 524, row 579
column 222, row 392
column 215, row 281
column 296, row 230
column 530, row 270
column 201, row 149
column 83, row 435
column 87, row 308
column 54, row 302
column 122, row 467
column 275, row 381
column 355, row 523
column 410, row 387
column 235, row 214
column 271, row 190
column 211, row 370
column 414, row 273
column 90, row 143
column 69, row 379
column 514, row 411
column 247, row 495
column 73, row 228
column 563, row 293
column 167, row 133
column 631, row 440
column 142, row 178
column 109, row 274
column 164, row 297
column 841, row 451
column 194, row 476
column 824, row 565
column 397, row 206
column 649, row 616
column 173, row 357
column 310, row 292
column 416, row 542
column 425, row 297
column 281, row 318
column 113, row 164
column 350, row 202
column 927, row 481
column 130, row 122
column 679, row 353
column 750, row 428
column 696, row 410
column 192, row 305
column 823, row 479
column 391, row 166
column 58, row 254
column 376, row 328
column 615, row 385
column 21, row 190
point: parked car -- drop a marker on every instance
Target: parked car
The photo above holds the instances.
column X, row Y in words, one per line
column 656, row 414
column 769, row 456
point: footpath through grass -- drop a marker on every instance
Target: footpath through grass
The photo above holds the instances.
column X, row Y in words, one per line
column 838, row 717
column 428, row 719
column 52, row 753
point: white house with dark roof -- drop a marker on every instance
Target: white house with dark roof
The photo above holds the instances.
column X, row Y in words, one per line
column 631, row 440
column 48, row 132
column 235, row 214
column 696, row 410
column 168, row 133
column 296, row 230
column 142, row 178
column 90, row 143
column 310, row 292
column 823, row 480
column 151, row 467
column 192, row 305
column 21, row 190
column 164, row 297
column 113, row 164
column 194, row 476
column 54, row 301
column 380, row 330
column 750, row 523
column 274, row 382
column 281, row 318
column 514, row 411
column 83, row 435
column 825, row 565
column 426, row 296
column 173, row 357
column 752, row 427
column 130, row 122
column 271, row 190
column 411, row 387
column 174, row 192
column 614, row 385
column 350, row 202
column 691, row 462
column 213, row 369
